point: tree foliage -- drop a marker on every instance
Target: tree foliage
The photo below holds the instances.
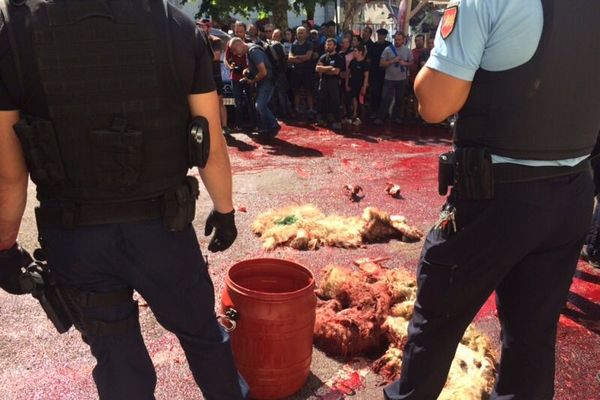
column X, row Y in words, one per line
column 276, row 9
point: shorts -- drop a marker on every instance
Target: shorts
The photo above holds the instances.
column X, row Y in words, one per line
column 355, row 88
column 302, row 79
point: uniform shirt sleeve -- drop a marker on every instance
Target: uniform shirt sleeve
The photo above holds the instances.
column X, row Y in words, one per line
column 495, row 35
column 203, row 80
column 8, row 75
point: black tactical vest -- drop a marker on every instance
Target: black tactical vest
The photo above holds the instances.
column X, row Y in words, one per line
column 549, row 107
column 118, row 117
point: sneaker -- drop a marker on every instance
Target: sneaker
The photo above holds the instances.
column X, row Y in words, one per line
column 346, row 121
column 356, row 122
column 397, row 121
column 321, row 123
column 378, row 121
column 336, row 126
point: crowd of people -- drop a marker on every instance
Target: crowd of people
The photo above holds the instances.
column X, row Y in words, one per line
column 315, row 74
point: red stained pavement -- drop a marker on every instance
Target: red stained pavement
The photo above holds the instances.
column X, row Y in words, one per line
column 300, row 166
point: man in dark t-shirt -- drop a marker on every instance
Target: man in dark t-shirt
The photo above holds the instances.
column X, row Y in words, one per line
column 242, row 93
column 330, row 66
column 302, row 74
column 101, row 250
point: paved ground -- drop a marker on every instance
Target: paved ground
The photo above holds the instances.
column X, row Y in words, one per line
column 301, row 166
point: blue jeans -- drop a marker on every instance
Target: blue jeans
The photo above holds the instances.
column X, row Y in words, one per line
column 264, row 92
column 168, row 270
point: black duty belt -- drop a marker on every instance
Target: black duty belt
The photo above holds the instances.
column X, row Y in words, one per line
column 510, row 173
column 70, row 215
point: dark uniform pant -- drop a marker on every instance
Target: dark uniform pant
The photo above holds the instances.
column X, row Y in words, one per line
column 168, row 270
column 524, row 244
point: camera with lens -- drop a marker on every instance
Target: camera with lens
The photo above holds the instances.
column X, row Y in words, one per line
column 249, row 75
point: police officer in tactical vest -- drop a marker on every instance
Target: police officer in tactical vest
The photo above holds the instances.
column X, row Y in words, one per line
column 522, row 192
column 107, row 104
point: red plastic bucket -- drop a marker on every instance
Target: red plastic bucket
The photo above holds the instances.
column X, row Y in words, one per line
column 273, row 334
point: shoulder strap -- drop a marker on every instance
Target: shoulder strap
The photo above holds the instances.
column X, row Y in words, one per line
column 4, row 8
column 393, row 48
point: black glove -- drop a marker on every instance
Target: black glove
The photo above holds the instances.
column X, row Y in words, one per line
column 11, row 262
column 225, row 230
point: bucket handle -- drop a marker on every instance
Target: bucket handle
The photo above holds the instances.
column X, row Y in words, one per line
column 229, row 319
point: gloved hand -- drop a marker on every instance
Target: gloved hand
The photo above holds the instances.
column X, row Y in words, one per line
column 11, row 262
column 225, row 230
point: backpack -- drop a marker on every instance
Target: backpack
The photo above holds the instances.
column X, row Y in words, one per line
column 276, row 56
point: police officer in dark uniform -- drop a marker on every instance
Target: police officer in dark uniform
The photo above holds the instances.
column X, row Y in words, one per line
column 522, row 193
column 107, row 104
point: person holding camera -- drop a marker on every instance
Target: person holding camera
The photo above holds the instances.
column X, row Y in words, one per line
column 242, row 93
column 110, row 159
column 260, row 74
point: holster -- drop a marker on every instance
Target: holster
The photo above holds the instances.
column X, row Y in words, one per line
column 40, row 147
column 469, row 170
column 198, row 142
column 38, row 282
column 179, row 205
column 80, row 301
column 66, row 306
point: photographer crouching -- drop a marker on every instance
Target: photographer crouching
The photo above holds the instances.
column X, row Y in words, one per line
column 259, row 73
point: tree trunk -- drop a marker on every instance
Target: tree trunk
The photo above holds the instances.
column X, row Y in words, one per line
column 351, row 10
column 280, row 18
column 310, row 11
